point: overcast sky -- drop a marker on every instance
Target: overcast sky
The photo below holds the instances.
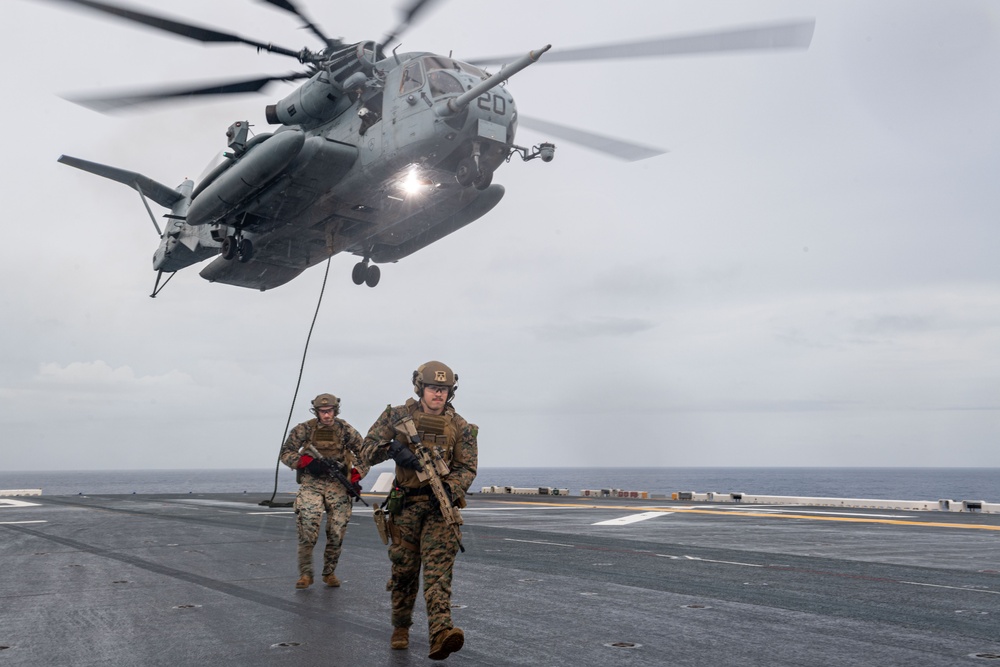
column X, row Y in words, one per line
column 809, row 277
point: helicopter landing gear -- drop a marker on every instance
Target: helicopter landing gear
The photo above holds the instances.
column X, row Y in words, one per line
column 483, row 180
column 468, row 173
column 237, row 247
column 372, row 276
column 363, row 273
column 229, row 246
column 358, row 273
column 244, row 250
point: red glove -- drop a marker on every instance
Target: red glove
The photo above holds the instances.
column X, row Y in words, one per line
column 305, row 460
column 355, row 476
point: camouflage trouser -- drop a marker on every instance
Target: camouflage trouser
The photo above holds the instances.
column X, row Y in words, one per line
column 426, row 539
column 315, row 496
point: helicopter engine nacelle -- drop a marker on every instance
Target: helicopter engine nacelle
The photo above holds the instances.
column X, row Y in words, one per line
column 313, row 102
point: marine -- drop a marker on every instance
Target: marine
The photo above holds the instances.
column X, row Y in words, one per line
column 313, row 448
column 422, row 540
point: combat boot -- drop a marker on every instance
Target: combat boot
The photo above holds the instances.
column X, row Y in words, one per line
column 447, row 642
column 331, row 580
column 400, row 638
column 305, row 581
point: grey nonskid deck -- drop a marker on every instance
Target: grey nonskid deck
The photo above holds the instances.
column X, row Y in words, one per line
column 202, row 579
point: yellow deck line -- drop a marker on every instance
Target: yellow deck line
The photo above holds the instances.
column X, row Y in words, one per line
column 769, row 515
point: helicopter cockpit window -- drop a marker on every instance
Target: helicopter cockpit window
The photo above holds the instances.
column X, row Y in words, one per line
column 474, row 71
column 441, row 63
column 412, row 79
column 443, row 83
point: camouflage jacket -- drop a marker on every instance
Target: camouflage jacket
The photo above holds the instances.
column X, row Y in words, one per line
column 340, row 442
column 462, row 455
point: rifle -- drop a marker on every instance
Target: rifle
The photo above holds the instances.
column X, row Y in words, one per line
column 334, row 472
column 433, row 468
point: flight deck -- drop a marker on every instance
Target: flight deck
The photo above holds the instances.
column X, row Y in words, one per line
column 195, row 579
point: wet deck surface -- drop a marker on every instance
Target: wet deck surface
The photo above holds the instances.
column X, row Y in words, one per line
column 209, row 579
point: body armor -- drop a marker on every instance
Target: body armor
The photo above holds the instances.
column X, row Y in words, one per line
column 436, row 431
column 329, row 442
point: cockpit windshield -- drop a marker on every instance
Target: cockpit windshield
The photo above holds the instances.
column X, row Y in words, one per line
column 443, row 83
column 441, row 75
column 432, row 63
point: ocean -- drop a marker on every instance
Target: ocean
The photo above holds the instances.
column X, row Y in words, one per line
column 885, row 483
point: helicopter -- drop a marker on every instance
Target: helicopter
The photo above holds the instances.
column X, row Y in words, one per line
column 377, row 154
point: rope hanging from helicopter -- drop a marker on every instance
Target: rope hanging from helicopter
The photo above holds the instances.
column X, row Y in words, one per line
column 270, row 502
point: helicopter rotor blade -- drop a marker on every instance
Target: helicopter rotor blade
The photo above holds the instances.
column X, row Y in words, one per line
column 624, row 150
column 183, row 29
column 289, row 7
column 409, row 14
column 793, row 35
column 119, row 102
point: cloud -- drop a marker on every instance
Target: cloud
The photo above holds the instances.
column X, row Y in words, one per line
column 98, row 376
column 594, row 327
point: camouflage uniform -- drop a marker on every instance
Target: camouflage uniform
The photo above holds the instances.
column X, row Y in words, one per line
column 424, row 537
column 339, row 442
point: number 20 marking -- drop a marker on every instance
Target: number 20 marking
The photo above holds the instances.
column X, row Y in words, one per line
column 499, row 104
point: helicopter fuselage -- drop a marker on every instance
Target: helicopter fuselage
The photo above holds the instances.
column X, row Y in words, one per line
column 379, row 179
column 376, row 156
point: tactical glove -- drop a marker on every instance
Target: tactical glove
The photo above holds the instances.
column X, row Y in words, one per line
column 318, row 467
column 403, row 457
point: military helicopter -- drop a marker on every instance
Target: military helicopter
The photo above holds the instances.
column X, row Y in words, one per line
column 377, row 154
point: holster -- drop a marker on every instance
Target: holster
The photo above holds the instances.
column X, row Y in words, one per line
column 380, row 524
column 394, row 535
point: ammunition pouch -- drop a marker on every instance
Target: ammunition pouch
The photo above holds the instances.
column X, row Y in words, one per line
column 394, row 503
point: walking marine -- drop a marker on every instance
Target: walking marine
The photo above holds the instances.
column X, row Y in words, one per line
column 325, row 453
column 423, row 518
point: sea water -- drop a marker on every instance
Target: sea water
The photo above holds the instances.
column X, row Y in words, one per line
column 884, row 483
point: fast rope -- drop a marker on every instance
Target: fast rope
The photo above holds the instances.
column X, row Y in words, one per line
column 270, row 502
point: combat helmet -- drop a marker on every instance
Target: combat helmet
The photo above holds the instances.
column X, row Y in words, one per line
column 435, row 373
column 326, row 401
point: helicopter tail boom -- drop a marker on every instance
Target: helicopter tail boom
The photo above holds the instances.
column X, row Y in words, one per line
column 180, row 244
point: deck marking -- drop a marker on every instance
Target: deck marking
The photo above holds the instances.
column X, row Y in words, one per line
column 632, row 518
column 954, row 588
column 771, row 515
column 207, row 502
column 709, row 560
column 782, row 511
column 724, row 562
column 10, row 502
column 11, row 523
column 551, row 544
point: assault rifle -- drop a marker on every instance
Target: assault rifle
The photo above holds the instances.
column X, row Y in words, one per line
column 334, row 472
column 434, row 468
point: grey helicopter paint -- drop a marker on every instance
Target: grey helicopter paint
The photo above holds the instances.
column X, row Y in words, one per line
column 377, row 154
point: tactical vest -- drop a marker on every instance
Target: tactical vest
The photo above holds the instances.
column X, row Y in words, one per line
column 437, row 431
column 328, row 441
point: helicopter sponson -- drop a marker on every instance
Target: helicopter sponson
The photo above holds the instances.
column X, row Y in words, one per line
column 251, row 171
